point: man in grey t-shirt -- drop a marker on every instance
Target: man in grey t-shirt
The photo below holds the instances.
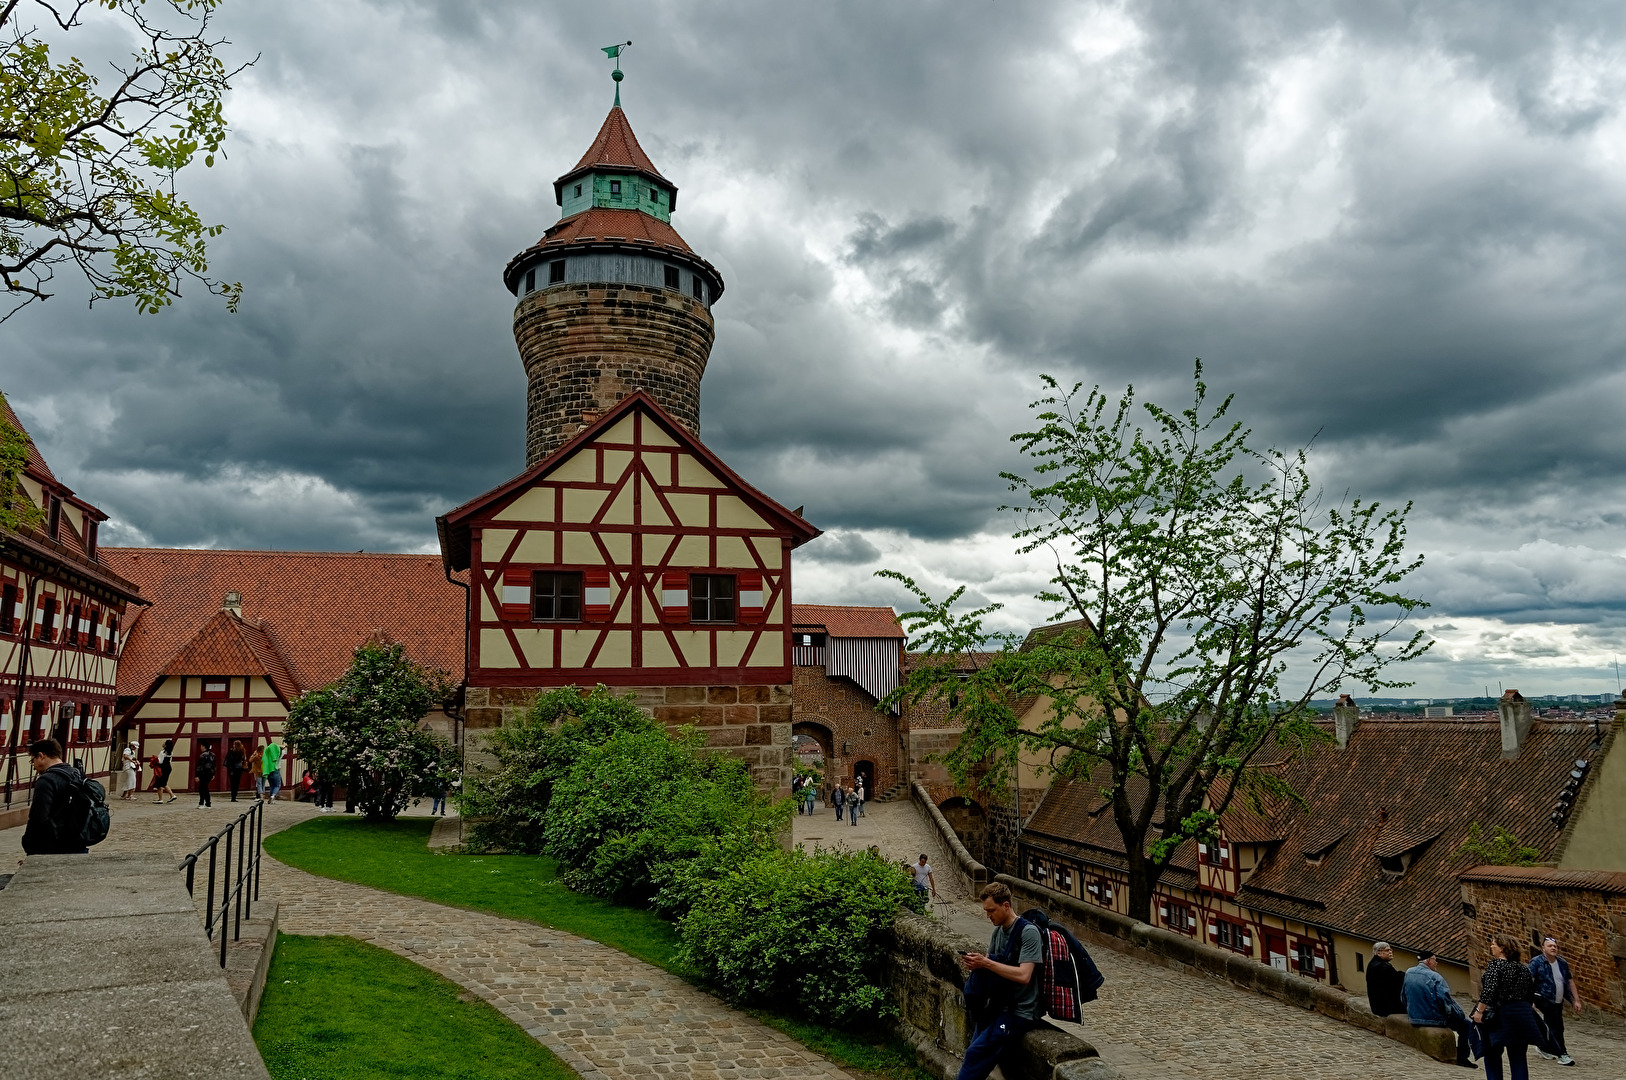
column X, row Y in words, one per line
column 999, row 1031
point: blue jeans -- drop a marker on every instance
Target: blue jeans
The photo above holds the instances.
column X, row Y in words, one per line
column 438, row 806
column 810, row 804
column 989, row 1044
column 854, row 807
column 273, row 783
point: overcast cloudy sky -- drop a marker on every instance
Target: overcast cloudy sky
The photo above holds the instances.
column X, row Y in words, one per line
column 1398, row 224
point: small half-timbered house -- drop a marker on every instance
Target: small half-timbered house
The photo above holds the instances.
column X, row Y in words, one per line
column 633, row 557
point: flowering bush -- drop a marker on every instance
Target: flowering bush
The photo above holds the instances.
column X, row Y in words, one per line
column 366, row 730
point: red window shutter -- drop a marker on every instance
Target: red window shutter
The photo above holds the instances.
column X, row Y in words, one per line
column 675, row 596
column 751, row 596
column 515, row 594
column 598, row 595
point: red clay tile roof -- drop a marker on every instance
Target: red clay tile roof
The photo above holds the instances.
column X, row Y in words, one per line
column 1604, row 881
column 610, row 224
column 226, row 645
column 1399, row 783
column 616, row 147
column 843, row 621
column 313, row 608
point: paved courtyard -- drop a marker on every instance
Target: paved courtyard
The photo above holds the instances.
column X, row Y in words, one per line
column 1153, row 1022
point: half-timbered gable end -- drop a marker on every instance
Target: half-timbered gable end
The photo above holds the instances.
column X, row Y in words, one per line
column 634, row 557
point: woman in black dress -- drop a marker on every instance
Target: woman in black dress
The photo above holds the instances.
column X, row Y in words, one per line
column 166, row 765
column 235, row 759
column 1504, row 1012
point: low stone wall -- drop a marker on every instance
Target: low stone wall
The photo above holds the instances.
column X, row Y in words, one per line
column 924, row 976
column 107, row 974
column 970, row 873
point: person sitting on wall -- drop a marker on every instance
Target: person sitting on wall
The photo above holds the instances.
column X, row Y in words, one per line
column 1429, row 1004
column 1002, row 991
column 1383, row 982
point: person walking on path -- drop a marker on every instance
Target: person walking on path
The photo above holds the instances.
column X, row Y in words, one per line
column 166, row 765
column 49, row 832
column 925, row 881
column 271, row 766
column 1383, row 982
column 839, row 798
column 132, row 771
column 852, row 804
column 858, row 789
column 1554, row 987
column 1002, row 990
column 324, row 791
column 236, row 765
column 1429, row 1004
column 205, row 768
column 256, row 770
column 810, row 793
column 1506, row 996
column 438, row 794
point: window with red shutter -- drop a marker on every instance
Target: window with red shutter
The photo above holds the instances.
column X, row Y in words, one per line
column 514, row 595
column 712, row 598
column 112, row 643
column 10, row 609
column 47, row 624
column 751, row 595
column 556, row 596
column 598, row 595
column 675, row 596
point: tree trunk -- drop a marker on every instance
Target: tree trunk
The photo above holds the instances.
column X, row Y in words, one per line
column 1142, row 884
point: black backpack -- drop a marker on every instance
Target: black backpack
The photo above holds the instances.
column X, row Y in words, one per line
column 84, row 811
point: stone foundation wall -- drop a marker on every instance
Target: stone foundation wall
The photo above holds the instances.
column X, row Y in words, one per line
column 1584, row 910
column 750, row 722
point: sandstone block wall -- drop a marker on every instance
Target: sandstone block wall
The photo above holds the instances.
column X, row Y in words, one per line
column 587, row 345
column 1590, row 924
column 750, row 722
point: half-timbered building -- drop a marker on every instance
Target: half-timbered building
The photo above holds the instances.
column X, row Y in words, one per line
column 62, row 609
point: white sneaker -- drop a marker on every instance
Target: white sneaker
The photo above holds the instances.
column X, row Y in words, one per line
column 1565, row 1059
column 1545, row 1054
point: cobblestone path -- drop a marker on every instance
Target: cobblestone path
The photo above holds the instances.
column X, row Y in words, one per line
column 1152, row 1022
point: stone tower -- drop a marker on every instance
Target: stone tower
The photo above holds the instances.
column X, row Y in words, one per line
column 611, row 299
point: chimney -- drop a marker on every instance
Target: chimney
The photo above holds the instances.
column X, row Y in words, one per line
column 233, row 603
column 1517, row 716
column 1345, row 715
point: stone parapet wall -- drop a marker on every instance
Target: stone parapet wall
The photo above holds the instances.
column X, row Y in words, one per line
column 1584, row 910
column 750, row 722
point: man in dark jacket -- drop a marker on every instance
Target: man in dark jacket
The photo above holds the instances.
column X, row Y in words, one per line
column 1383, row 982
column 49, row 831
column 1554, row 987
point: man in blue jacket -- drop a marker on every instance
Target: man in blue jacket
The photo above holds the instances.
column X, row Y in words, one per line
column 1554, row 987
column 1429, row 1003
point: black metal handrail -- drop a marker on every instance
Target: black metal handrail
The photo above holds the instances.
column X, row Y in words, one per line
column 238, row 899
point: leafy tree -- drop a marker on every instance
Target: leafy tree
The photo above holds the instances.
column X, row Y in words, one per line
column 88, row 162
column 1502, row 848
column 366, row 729
column 506, row 806
column 17, row 510
column 1208, row 596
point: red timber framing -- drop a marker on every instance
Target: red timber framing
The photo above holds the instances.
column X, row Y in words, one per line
column 682, row 569
column 190, row 710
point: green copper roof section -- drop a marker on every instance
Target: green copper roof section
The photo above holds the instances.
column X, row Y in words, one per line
column 618, row 191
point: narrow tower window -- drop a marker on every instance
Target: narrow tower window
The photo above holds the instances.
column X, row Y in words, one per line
column 615, row 189
column 699, row 289
column 556, row 271
column 672, row 281
column 578, row 191
column 530, row 279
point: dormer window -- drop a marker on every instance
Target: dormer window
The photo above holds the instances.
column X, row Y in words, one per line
column 578, row 191
column 615, row 189
column 54, row 521
column 655, row 195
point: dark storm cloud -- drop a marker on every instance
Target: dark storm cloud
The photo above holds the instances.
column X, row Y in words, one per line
column 1399, row 226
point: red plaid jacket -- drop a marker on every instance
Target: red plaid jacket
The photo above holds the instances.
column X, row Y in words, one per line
column 1060, row 979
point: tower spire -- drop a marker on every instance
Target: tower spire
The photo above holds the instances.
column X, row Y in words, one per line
column 614, row 53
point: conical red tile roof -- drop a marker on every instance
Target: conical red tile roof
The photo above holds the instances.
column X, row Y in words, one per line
column 616, row 147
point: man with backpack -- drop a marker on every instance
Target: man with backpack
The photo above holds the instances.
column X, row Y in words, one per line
column 1002, row 993
column 63, row 801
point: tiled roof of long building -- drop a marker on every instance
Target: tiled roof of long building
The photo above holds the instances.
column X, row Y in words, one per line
column 841, row 620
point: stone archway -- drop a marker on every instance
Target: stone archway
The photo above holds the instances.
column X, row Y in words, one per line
column 970, row 824
column 827, row 745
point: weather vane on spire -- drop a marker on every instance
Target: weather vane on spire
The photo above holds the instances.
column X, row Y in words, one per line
column 614, row 53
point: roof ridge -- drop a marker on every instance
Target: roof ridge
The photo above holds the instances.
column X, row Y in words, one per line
column 278, row 553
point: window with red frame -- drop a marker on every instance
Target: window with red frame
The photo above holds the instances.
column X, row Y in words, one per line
column 112, row 643
column 9, row 599
column 93, row 625
column 1231, row 935
column 1177, row 916
column 1214, row 854
column 36, row 721
column 71, row 629
column 216, row 688
column 46, row 631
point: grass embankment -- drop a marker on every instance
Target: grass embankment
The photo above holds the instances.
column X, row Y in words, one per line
column 338, row 1009
column 395, row 857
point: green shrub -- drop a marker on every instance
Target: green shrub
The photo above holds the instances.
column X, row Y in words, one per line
column 800, row 932
column 506, row 806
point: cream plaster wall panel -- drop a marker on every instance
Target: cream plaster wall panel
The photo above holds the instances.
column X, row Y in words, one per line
column 575, row 646
column 536, row 504
column 75, row 516
column 487, row 612
column 620, row 511
column 36, row 492
column 536, row 546
column 537, row 645
column 731, row 646
column 158, row 731
column 658, row 651
column 258, row 687
column 619, row 545
column 582, row 504
column 692, row 551
column 495, row 652
column 617, row 650
column 691, row 473
column 1598, row 837
column 660, row 467
column 770, row 650
column 619, row 432
column 732, row 551
column 650, row 507
column 236, row 688
column 266, row 708
column 695, row 645
column 582, row 465
column 775, row 612
column 579, row 548
column 494, row 542
column 193, row 710
column 732, row 513
column 772, row 550
column 160, row 710
column 693, row 511
column 214, row 728
column 654, row 436
column 173, row 685
column 616, row 462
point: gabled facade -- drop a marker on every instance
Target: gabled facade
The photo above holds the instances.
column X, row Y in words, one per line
column 633, row 557
column 847, row 659
column 62, row 613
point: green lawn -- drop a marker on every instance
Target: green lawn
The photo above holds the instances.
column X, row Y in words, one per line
column 338, row 1009
column 395, row 857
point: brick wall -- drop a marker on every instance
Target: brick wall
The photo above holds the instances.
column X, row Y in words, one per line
column 587, row 345
column 849, row 714
column 1585, row 911
column 750, row 722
